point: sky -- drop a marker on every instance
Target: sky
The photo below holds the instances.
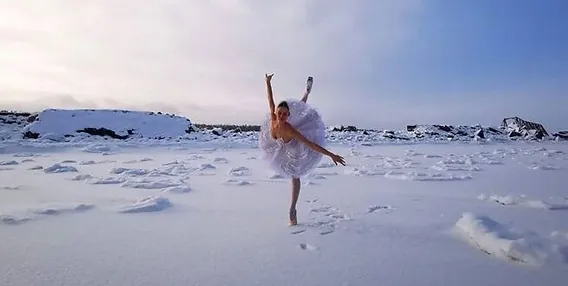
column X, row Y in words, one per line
column 376, row 64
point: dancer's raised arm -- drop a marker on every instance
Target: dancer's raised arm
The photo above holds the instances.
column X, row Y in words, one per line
column 268, row 78
column 336, row 158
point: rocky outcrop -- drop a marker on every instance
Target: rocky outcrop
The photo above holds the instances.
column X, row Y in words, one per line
column 449, row 132
column 561, row 135
column 517, row 128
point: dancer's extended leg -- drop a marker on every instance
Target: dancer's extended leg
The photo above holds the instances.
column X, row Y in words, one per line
column 309, row 84
column 295, row 195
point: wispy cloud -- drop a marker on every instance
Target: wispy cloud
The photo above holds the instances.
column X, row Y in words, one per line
column 207, row 53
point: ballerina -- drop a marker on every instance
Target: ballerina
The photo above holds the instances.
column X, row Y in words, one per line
column 291, row 139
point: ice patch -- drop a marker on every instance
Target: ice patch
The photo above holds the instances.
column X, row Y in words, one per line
column 274, row 176
column 129, row 172
column 415, row 176
column 432, row 156
column 97, row 148
column 510, row 200
column 326, row 165
column 20, row 155
column 451, row 167
column 364, row 172
column 239, row 171
column 149, row 184
column 204, row 167
column 58, row 168
column 148, row 204
column 105, row 181
column 548, row 167
column 195, row 157
column 178, row 190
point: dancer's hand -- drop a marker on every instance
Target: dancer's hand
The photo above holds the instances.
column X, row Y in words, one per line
column 268, row 77
column 337, row 159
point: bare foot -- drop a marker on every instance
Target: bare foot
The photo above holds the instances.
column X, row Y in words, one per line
column 293, row 218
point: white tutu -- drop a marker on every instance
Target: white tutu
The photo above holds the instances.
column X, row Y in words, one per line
column 294, row 159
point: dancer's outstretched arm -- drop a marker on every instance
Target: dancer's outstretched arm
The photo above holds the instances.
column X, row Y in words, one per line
column 268, row 78
column 336, row 158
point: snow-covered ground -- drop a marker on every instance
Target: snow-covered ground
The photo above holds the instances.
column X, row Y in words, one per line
column 107, row 213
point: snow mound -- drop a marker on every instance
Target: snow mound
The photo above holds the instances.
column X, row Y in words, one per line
column 148, row 204
column 118, row 124
column 503, row 242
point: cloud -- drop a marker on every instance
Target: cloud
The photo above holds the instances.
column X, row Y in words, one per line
column 183, row 54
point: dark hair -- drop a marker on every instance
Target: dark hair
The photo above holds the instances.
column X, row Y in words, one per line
column 283, row 104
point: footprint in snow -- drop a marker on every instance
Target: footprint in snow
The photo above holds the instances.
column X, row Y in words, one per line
column 306, row 246
column 58, row 168
column 235, row 182
column 221, row 160
column 377, row 208
column 147, row 204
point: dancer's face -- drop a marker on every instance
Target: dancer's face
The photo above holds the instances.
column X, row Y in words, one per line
column 282, row 113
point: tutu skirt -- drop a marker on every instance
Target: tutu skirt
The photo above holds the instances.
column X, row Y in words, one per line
column 294, row 159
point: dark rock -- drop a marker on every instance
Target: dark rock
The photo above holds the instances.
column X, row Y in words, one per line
column 31, row 135
column 514, row 134
column 392, row 136
column 493, row 130
column 102, row 132
column 216, row 132
column 410, row 128
column 365, row 132
column 561, row 135
column 32, row 118
column 461, row 133
column 446, row 128
column 479, row 133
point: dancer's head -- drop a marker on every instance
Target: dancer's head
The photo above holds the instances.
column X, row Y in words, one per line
column 282, row 111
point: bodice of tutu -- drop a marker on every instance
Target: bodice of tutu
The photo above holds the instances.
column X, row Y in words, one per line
column 294, row 158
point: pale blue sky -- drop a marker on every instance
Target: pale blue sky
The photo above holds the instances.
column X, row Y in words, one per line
column 376, row 64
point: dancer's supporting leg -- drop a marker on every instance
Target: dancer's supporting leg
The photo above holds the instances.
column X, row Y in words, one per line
column 295, row 195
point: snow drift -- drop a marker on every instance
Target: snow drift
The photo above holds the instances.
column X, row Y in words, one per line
column 118, row 124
